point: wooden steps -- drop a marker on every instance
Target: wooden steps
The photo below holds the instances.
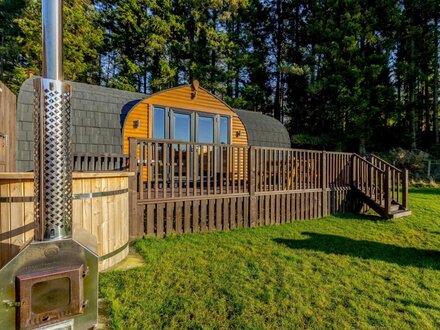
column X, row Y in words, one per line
column 399, row 214
column 381, row 186
column 395, row 211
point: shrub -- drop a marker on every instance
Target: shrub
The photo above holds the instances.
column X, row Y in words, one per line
column 415, row 161
column 309, row 141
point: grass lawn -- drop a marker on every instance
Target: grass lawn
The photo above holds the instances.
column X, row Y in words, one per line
column 346, row 271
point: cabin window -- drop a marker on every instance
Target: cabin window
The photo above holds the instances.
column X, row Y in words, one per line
column 159, row 123
column 224, row 130
column 189, row 126
column 182, row 126
column 205, row 129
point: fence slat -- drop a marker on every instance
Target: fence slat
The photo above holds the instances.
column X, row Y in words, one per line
column 221, row 187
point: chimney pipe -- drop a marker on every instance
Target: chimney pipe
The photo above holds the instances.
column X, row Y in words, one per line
column 52, row 28
column 52, row 128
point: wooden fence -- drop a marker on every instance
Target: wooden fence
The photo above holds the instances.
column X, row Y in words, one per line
column 99, row 162
column 7, row 129
column 183, row 187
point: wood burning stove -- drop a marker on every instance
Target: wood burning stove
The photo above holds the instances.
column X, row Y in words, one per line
column 53, row 282
column 49, row 282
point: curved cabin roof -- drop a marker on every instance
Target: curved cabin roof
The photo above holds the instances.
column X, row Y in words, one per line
column 263, row 130
column 96, row 120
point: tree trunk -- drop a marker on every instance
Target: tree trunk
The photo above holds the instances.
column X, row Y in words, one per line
column 362, row 149
column 278, row 61
column 412, row 110
column 427, row 110
column 237, row 66
column 229, row 81
column 435, row 87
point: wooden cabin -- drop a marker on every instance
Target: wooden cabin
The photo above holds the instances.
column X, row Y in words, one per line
column 104, row 118
column 187, row 162
column 186, row 114
column 193, row 117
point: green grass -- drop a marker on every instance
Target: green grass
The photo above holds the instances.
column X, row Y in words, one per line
column 346, row 271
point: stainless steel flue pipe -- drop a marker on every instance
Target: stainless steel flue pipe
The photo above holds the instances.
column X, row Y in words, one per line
column 52, row 18
column 52, row 127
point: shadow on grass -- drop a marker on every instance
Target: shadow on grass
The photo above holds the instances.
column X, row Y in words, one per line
column 359, row 216
column 340, row 245
column 418, row 304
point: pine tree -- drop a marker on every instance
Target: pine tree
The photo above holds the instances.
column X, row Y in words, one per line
column 81, row 37
column 10, row 54
column 435, row 78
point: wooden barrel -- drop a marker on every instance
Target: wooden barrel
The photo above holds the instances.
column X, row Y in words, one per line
column 100, row 206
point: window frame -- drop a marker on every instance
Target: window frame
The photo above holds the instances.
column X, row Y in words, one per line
column 171, row 112
column 194, row 125
column 166, row 121
column 214, row 126
column 228, row 133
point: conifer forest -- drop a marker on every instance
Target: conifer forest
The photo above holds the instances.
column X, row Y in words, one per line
column 352, row 75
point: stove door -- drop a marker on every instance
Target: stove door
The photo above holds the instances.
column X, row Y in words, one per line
column 49, row 296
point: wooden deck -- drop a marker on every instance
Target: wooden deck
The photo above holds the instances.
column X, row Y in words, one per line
column 182, row 187
column 185, row 187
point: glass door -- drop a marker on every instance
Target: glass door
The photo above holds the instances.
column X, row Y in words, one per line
column 205, row 134
column 205, row 129
column 181, row 124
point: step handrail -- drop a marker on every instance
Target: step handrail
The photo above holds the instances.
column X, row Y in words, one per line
column 389, row 169
column 405, row 180
column 386, row 163
column 369, row 163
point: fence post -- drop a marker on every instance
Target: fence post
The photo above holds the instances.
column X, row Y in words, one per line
column 405, row 189
column 132, row 191
column 387, row 185
column 324, row 183
column 352, row 170
column 252, row 197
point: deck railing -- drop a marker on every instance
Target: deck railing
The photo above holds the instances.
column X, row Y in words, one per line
column 190, row 187
column 172, row 169
column 99, row 162
column 397, row 180
column 380, row 181
column 183, row 187
column 370, row 180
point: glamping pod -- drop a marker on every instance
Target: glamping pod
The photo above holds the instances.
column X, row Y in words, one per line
column 195, row 115
column 186, row 114
column 104, row 119
column 203, row 133
column 187, row 162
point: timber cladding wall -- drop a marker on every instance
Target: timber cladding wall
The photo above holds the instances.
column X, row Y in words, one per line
column 7, row 129
column 181, row 98
column 216, row 213
column 100, row 207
